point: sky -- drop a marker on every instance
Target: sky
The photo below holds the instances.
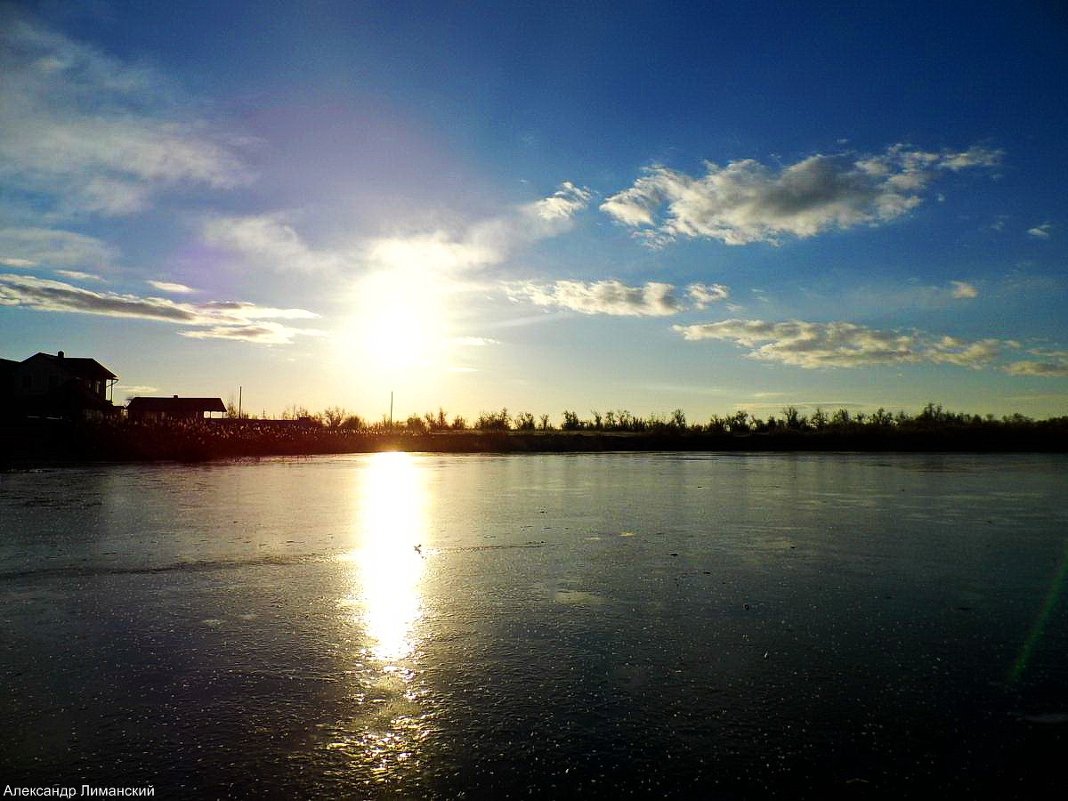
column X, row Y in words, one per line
column 542, row 206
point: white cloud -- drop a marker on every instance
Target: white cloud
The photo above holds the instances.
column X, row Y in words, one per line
column 133, row 390
column 704, row 294
column 30, row 247
column 842, row 344
column 500, row 236
column 1050, row 364
column 218, row 319
column 563, row 204
column 263, row 333
column 436, row 252
column 171, row 287
column 602, row 297
column 612, row 297
column 964, row 290
column 269, row 241
column 1044, row 369
column 746, row 201
column 78, row 275
column 1041, row 231
column 242, row 310
column 483, row 244
column 950, row 350
column 94, row 134
column 975, row 156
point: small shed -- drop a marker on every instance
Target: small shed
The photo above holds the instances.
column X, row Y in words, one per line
column 173, row 408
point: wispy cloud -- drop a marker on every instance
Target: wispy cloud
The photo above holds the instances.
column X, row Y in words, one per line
column 271, row 241
column 242, row 310
column 747, row 201
column 133, row 390
column 170, row 287
column 49, row 247
column 93, row 134
column 17, row 263
column 963, row 353
column 843, row 344
column 218, row 319
column 435, row 252
column 263, row 333
column 1057, row 369
column 485, row 243
column 1041, row 231
column 268, row 241
column 963, row 290
column 888, row 297
column 1049, row 364
column 975, row 156
column 563, row 204
column 612, row 297
column 78, row 275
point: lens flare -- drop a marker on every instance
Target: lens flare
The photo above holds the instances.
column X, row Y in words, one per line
column 1056, row 590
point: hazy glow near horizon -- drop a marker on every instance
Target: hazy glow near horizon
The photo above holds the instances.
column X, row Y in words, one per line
column 496, row 205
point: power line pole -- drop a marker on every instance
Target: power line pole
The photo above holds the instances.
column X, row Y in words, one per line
column 391, row 410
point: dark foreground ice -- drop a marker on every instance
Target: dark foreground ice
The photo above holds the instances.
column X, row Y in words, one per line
column 601, row 626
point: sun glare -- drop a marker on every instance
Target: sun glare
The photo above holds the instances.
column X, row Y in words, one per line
column 400, row 323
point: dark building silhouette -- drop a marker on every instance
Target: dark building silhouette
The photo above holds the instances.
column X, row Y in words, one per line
column 173, row 408
column 56, row 386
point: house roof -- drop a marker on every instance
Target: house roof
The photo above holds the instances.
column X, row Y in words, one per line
column 176, row 405
column 80, row 368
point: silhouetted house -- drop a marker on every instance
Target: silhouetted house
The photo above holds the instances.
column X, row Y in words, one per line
column 56, row 386
column 7, row 378
column 173, row 408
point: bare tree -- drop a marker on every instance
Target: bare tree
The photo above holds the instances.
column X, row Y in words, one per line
column 524, row 421
column 333, row 417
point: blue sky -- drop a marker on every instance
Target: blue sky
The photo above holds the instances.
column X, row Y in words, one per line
column 542, row 206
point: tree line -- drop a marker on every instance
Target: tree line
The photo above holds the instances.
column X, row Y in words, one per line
column 335, row 430
column 789, row 420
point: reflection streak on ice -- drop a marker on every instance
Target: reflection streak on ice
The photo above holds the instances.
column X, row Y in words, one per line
column 390, row 526
column 388, row 721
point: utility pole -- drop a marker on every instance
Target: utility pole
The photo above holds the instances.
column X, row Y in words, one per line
column 391, row 410
column 239, row 390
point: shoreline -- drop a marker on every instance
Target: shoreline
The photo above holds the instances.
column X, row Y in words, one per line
column 57, row 443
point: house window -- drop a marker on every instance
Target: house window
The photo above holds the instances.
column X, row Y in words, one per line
column 53, row 381
column 27, row 382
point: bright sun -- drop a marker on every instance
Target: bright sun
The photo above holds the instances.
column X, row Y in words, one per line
column 400, row 323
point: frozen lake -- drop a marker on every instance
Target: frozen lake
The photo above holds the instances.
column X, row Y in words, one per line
column 603, row 625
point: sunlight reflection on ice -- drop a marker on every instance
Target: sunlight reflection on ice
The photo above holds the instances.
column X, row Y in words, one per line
column 389, row 563
column 386, row 603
